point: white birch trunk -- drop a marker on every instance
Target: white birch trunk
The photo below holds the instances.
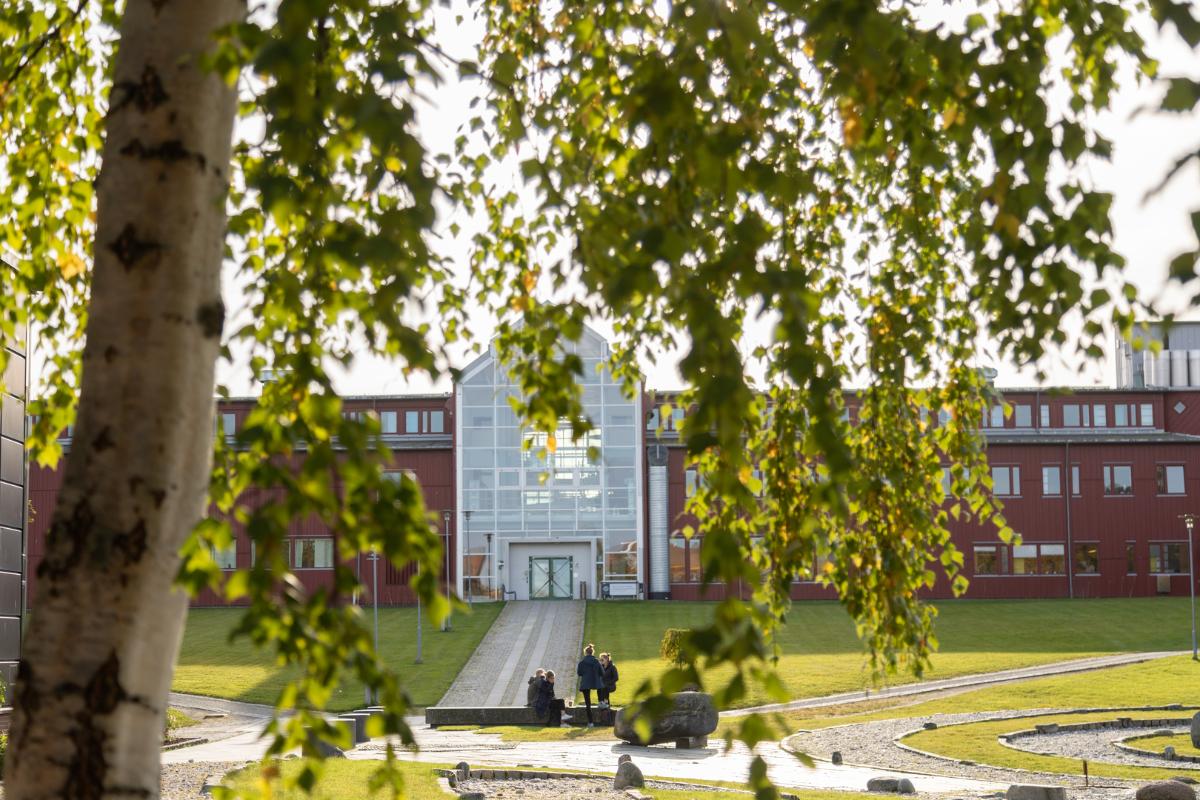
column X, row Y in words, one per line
column 92, row 687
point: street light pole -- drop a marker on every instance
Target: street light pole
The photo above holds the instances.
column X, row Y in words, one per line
column 374, row 557
column 1190, row 521
column 446, row 575
column 419, row 659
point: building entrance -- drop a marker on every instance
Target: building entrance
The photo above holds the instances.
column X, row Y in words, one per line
column 550, row 577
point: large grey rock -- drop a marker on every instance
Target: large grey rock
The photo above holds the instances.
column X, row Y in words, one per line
column 883, row 785
column 1196, row 729
column 694, row 716
column 628, row 777
column 835, row 757
column 1166, row 790
column 1033, row 791
column 905, row 786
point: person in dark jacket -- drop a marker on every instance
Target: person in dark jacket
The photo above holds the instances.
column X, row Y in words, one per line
column 547, row 705
column 611, row 676
column 591, row 677
column 532, row 692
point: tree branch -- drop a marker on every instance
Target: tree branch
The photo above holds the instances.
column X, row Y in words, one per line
column 43, row 41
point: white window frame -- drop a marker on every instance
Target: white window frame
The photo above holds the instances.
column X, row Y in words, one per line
column 323, row 545
column 1070, row 410
column 1012, row 476
column 1044, row 416
column 388, row 421
column 1168, row 485
column 1051, row 480
column 1110, row 480
column 1023, row 416
column 1100, row 415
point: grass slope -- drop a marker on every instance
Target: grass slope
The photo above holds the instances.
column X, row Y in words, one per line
column 822, row 655
column 209, row 664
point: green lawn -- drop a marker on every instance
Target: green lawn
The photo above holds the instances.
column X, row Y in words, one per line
column 977, row 742
column 340, row 780
column 210, row 665
column 823, row 656
column 1182, row 743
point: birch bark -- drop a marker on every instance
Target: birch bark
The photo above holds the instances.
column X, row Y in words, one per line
column 92, row 687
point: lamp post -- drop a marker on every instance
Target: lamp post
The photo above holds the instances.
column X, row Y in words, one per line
column 491, row 569
column 467, row 543
column 446, row 548
column 419, row 658
column 374, row 558
column 1190, row 521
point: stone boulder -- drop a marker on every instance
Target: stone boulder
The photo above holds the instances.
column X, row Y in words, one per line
column 883, row 785
column 1188, row 779
column 693, row 717
column 1166, row 790
column 905, row 786
column 625, row 758
column 1196, row 729
column 1031, row 791
column 628, row 777
column 835, row 757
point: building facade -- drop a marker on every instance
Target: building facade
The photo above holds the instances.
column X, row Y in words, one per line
column 1094, row 480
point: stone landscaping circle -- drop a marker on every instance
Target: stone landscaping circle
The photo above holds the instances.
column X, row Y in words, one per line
column 628, row 777
column 1166, row 790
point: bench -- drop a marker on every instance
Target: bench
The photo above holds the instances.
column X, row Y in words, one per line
column 611, row 589
column 481, row 715
column 489, row 716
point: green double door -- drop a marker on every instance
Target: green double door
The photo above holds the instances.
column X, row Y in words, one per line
column 550, row 577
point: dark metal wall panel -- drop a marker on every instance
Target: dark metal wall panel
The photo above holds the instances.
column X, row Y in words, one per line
column 10, row 639
column 11, row 502
column 12, row 417
column 10, row 549
column 12, row 461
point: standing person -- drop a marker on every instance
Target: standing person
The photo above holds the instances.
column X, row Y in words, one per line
column 547, row 705
column 591, row 676
column 532, row 692
column 609, row 670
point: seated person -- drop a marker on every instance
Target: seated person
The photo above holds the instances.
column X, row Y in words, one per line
column 531, row 693
column 548, row 706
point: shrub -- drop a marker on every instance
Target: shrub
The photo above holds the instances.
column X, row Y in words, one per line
column 673, row 647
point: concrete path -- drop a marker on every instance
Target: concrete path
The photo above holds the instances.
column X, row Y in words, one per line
column 962, row 682
column 528, row 634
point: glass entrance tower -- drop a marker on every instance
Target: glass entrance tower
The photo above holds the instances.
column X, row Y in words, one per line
column 522, row 510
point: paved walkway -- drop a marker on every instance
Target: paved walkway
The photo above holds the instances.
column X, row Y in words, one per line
column 528, row 634
column 962, row 682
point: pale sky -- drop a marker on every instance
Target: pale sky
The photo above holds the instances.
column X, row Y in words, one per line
column 1148, row 234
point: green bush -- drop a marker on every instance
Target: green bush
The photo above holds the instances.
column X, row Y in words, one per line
column 673, row 646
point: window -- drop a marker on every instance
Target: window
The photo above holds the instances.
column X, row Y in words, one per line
column 412, row 421
column 228, row 424
column 1053, row 559
column 1039, row 559
column 1044, row 416
column 226, row 557
column 1075, row 479
column 691, row 482
column 946, row 480
column 1023, row 416
column 1025, row 559
column 1170, row 478
column 1147, row 415
column 997, row 416
column 1100, row 415
column 987, row 559
column 1006, row 481
column 943, row 417
column 437, row 421
column 1131, row 558
column 1121, row 415
column 387, row 421
column 1118, row 479
column 1166, row 558
column 1087, row 558
column 1051, row 480
column 312, row 553
column 1070, row 415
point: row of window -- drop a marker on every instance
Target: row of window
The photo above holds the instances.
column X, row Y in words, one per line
column 1049, row 558
column 421, row 421
column 316, row 553
column 1074, row 415
column 1118, row 480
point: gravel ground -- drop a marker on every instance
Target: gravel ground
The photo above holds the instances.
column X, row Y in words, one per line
column 1097, row 746
column 873, row 744
column 545, row 789
column 180, row 781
